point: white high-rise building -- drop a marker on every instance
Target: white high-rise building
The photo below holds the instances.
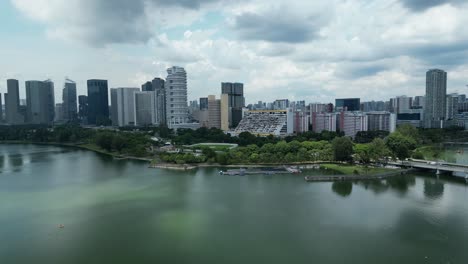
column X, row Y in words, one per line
column 123, row 106
column 176, row 97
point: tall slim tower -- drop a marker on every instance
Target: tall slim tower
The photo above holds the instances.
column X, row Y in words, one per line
column 12, row 103
column 83, row 109
column 159, row 87
column 98, row 102
column 436, row 94
column 1, row 109
column 69, row 105
column 176, row 96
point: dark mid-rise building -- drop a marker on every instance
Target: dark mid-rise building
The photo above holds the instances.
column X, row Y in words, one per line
column 348, row 104
column 147, row 87
column 203, row 103
column 236, row 101
column 83, row 108
column 98, row 102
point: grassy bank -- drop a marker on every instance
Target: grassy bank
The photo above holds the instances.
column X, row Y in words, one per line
column 353, row 169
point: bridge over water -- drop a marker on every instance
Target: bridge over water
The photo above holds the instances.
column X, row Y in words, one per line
column 457, row 170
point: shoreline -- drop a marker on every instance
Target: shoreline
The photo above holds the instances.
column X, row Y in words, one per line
column 189, row 167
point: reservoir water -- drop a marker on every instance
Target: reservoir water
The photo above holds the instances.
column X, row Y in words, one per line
column 115, row 211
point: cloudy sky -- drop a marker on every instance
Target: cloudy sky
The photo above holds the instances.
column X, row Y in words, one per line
column 296, row 49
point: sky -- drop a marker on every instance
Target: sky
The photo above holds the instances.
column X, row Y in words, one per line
column 301, row 50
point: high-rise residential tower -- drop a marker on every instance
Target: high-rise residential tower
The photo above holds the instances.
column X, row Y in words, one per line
column 436, row 98
column 69, row 105
column 40, row 106
column 98, row 102
column 176, row 96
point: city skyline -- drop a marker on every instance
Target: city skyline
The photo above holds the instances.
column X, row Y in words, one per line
column 381, row 56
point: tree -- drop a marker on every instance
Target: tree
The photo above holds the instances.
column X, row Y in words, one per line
column 378, row 150
column 104, row 140
column 400, row 145
column 119, row 143
column 363, row 153
column 342, row 149
column 409, row 131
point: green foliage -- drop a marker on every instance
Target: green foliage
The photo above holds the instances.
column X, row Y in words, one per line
column 104, row 140
column 417, row 155
column 363, row 153
column 400, row 145
column 182, row 158
column 409, row 131
column 342, row 149
column 369, row 136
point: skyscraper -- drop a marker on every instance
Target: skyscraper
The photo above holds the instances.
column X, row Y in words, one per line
column 83, row 109
column 176, row 96
column 145, row 108
column 12, row 103
column 69, row 101
column 123, row 106
column 1, row 109
column 98, row 102
column 40, row 106
column 235, row 101
column 436, row 93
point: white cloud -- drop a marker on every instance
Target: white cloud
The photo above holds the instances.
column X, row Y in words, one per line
column 299, row 49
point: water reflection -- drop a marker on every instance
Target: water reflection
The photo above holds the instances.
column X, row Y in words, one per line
column 401, row 184
column 433, row 189
column 2, row 162
column 343, row 189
